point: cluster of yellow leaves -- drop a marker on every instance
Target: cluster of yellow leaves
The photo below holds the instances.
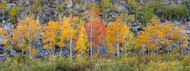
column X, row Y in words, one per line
column 129, row 38
column 3, row 6
column 118, row 32
column 67, row 31
column 50, row 34
column 1, row 30
column 156, row 35
column 13, row 12
column 133, row 4
column 131, row 17
column 5, row 35
column 19, row 35
column 59, row 33
column 82, row 41
column 25, row 32
column 36, row 5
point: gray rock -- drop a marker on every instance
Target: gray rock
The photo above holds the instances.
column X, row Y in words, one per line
column 188, row 24
column 188, row 31
column 2, row 55
column 45, row 53
column 13, row 52
column 69, row 3
column 177, row 22
column 10, row 6
column 65, row 53
column 36, row 42
column 103, row 49
column 122, row 8
column 77, row 6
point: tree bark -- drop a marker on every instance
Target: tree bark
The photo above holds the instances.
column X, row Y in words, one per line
column 60, row 51
column 117, row 48
column 117, row 44
column 71, row 48
column 91, row 39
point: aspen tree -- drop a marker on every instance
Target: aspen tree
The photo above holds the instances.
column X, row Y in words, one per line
column 27, row 30
column 117, row 33
column 6, row 36
column 50, row 35
column 82, row 41
column 96, row 29
column 67, row 31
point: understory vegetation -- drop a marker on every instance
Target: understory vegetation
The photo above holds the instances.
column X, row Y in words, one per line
column 127, row 62
column 91, row 42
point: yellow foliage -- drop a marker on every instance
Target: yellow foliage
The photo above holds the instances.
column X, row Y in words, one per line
column 156, row 35
column 13, row 11
column 6, row 36
column 50, row 34
column 27, row 30
column 3, row 5
column 67, row 31
column 131, row 17
column 119, row 32
column 82, row 41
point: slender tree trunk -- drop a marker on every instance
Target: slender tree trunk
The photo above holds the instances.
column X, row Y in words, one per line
column 136, row 14
column 181, row 47
column 126, row 49
column 123, row 49
column 157, row 50
column 29, row 42
column 168, row 47
column 3, row 17
column 50, row 52
column 117, row 48
column 91, row 39
column 60, row 51
column 185, row 21
column 22, row 52
column 71, row 48
column 143, row 52
column 148, row 50
column 117, row 44
column 29, row 49
column 162, row 16
column 22, row 47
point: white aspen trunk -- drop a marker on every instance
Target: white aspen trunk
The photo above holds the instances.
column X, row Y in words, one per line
column 50, row 51
column 22, row 46
column 117, row 48
column 29, row 49
column 117, row 44
column 60, row 51
column 143, row 51
column 71, row 48
column 168, row 47
column 91, row 39
column 181, row 47
column 157, row 50
column 162, row 16
column 126, row 49
column 29, row 41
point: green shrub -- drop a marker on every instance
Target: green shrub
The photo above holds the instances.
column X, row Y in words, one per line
column 163, row 66
column 111, row 65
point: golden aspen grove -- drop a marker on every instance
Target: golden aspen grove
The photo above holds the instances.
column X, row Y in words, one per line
column 94, row 35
